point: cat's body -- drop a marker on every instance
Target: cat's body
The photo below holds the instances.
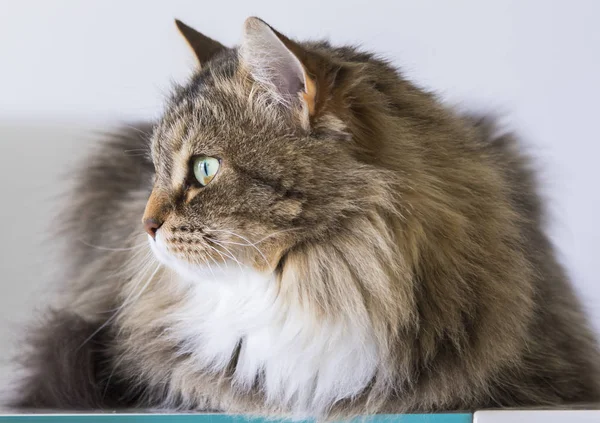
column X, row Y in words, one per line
column 376, row 253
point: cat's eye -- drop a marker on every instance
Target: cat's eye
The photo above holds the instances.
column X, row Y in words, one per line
column 205, row 169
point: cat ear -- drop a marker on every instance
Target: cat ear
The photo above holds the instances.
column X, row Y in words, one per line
column 269, row 57
column 204, row 47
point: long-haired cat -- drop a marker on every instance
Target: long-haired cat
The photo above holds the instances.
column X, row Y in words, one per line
column 309, row 235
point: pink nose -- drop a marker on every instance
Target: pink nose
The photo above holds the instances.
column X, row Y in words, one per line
column 151, row 225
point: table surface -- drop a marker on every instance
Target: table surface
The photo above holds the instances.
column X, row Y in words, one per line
column 108, row 417
column 136, row 416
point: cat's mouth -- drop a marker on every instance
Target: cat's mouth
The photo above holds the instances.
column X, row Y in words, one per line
column 161, row 248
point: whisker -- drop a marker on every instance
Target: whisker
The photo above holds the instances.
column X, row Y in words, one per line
column 114, row 315
column 217, row 251
column 212, row 258
column 223, row 255
column 216, row 262
column 277, row 233
column 260, row 240
column 228, row 255
column 128, row 300
column 99, row 247
column 209, row 266
column 246, row 245
column 250, row 244
column 229, row 251
column 158, row 266
column 141, row 269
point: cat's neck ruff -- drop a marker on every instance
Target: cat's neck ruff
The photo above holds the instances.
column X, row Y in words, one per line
column 301, row 361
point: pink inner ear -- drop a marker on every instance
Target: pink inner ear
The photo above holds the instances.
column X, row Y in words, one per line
column 272, row 64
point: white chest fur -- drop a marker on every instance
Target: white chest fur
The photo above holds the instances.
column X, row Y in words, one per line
column 299, row 362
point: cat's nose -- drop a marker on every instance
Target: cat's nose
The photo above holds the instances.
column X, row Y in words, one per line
column 151, row 225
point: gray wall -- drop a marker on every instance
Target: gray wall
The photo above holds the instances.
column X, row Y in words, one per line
column 68, row 66
column 35, row 161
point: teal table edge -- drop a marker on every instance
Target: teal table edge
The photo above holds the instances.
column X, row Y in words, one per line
column 218, row 418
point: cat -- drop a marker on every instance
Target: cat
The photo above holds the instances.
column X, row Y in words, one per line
column 305, row 233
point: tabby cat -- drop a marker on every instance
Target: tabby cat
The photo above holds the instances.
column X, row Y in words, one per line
column 305, row 233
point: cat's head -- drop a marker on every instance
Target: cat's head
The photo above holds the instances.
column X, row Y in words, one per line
column 254, row 155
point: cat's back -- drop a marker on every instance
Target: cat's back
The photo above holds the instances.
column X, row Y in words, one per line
column 450, row 157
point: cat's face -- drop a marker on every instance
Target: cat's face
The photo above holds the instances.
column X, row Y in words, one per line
column 242, row 174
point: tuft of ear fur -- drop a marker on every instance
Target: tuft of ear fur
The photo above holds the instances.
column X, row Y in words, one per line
column 204, row 47
column 267, row 55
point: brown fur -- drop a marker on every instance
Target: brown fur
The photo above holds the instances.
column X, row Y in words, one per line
column 384, row 206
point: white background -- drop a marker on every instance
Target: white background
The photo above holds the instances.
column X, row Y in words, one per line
column 68, row 68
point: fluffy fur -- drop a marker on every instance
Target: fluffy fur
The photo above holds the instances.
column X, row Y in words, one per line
column 362, row 249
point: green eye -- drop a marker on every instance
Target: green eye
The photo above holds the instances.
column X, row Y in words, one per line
column 205, row 169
